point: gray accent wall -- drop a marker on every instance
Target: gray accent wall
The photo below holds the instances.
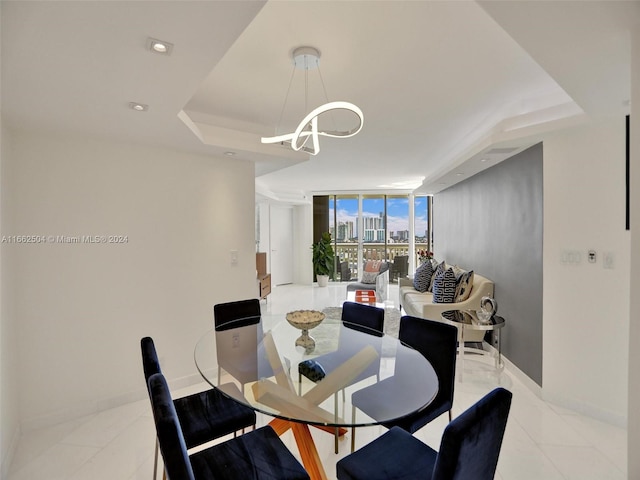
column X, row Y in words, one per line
column 492, row 224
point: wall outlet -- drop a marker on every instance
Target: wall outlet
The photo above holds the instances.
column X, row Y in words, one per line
column 570, row 257
column 607, row 260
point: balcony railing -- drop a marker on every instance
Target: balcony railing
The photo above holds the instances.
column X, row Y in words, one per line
column 347, row 257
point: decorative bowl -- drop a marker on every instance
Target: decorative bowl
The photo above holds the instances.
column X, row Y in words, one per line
column 305, row 320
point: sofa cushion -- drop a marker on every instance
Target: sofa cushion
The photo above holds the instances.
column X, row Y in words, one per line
column 444, row 287
column 464, row 285
column 422, row 277
column 458, row 272
column 441, row 267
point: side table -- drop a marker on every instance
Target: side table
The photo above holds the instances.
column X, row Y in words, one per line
column 467, row 320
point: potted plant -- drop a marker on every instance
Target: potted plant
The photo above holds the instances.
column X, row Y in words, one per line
column 322, row 258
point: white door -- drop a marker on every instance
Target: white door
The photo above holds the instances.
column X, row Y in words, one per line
column 281, row 245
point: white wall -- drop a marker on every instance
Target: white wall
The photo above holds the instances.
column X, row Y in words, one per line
column 9, row 414
column 265, row 222
column 302, row 240
column 633, row 444
column 82, row 308
column 586, row 307
column 9, row 411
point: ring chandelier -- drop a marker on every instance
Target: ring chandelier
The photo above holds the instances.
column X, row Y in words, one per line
column 309, row 58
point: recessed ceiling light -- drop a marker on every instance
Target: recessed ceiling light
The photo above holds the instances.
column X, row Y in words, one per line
column 459, row 174
column 484, row 159
column 159, row 46
column 229, row 154
column 138, row 107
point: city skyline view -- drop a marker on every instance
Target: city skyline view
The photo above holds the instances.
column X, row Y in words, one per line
column 346, row 209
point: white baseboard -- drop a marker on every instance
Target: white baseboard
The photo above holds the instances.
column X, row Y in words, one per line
column 82, row 409
column 607, row 416
column 11, row 451
column 564, row 401
column 522, row 377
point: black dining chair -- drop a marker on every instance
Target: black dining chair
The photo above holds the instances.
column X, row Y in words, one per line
column 204, row 416
column 236, row 314
column 238, row 327
column 469, row 448
column 437, row 342
column 258, row 454
column 356, row 316
column 399, row 267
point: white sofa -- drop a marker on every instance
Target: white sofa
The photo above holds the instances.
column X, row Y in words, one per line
column 418, row 304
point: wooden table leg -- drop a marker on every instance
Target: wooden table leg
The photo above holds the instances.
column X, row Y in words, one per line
column 331, row 430
column 308, row 451
column 280, row 426
column 306, row 445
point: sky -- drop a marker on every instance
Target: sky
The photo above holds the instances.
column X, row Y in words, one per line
column 397, row 212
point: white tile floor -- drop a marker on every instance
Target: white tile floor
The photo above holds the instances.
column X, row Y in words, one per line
column 542, row 441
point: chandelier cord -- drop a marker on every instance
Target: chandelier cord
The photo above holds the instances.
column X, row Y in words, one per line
column 286, row 99
column 326, row 97
column 309, row 126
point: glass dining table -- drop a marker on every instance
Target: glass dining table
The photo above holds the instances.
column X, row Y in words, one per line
column 261, row 369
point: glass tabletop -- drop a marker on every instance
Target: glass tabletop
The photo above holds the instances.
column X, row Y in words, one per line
column 260, row 369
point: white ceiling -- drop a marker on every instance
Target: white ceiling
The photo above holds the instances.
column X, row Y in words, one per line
column 447, row 88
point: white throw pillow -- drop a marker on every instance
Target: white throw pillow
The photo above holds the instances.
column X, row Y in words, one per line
column 369, row 277
column 464, row 286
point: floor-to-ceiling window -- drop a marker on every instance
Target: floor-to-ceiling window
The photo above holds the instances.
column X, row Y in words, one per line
column 423, row 225
column 343, row 228
column 374, row 227
column 377, row 227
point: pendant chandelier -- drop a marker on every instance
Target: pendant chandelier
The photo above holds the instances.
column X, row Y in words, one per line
column 308, row 58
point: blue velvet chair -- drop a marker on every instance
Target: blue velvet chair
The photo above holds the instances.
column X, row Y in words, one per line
column 204, row 416
column 240, row 321
column 437, row 342
column 356, row 316
column 370, row 318
column 240, row 313
column 259, row 454
column 469, row 448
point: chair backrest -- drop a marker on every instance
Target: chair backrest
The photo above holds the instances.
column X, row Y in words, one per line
column 437, row 342
column 401, row 260
column 236, row 314
column 170, row 438
column 471, row 443
column 401, row 264
column 150, row 363
column 369, row 317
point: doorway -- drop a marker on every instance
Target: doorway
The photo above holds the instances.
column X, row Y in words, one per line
column 281, row 242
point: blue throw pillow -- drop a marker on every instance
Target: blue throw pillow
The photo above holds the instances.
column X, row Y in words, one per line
column 438, row 268
column 422, row 277
column 465, row 284
column 444, row 287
